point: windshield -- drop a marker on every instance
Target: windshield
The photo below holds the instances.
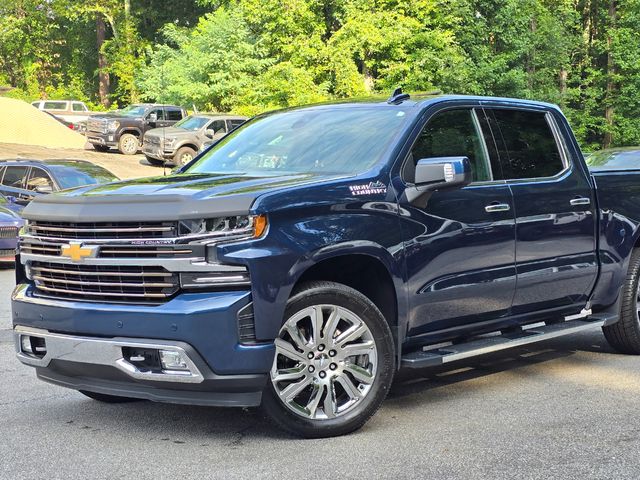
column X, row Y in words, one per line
column 614, row 160
column 192, row 123
column 133, row 111
column 338, row 140
column 78, row 176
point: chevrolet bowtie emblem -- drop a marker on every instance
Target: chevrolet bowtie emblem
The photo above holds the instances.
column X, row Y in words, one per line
column 76, row 252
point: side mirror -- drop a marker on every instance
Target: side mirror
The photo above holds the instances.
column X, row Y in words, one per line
column 442, row 172
column 438, row 173
column 152, row 118
column 44, row 189
column 209, row 132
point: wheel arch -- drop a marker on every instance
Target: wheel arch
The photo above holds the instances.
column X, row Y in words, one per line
column 133, row 131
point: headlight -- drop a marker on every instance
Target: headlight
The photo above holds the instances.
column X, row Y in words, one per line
column 113, row 125
column 235, row 227
column 168, row 142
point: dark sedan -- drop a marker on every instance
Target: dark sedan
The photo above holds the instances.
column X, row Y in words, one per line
column 10, row 224
column 23, row 180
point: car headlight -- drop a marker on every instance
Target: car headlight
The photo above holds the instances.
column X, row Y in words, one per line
column 168, row 142
column 113, row 125
column 236, row 227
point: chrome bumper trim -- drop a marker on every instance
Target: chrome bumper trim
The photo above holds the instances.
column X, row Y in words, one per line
column 98, row 351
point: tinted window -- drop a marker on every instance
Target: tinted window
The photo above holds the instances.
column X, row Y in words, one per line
column 158, row 111
column 454, row 133
column 78, row 107
column 329, row 140
column 174, row 114
column 231, row 124
column 39, row 178
column 531, row 148
column 81, row 174
column 218, row 126
column 14, row 176
column 55, row 105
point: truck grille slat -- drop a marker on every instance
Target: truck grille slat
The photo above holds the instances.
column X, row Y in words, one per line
column 103, row 230
column 110, row 283
column 8, row 232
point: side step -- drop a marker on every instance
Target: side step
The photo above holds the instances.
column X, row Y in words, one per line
column 483, row 345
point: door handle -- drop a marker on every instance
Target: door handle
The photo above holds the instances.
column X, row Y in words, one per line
column 580, row 201
column 497, row 207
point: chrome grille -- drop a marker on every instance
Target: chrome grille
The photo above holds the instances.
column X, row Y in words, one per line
column 99, row 126
column 109, row 283
column 8, row 232
column 103, row 230
column 28, row 246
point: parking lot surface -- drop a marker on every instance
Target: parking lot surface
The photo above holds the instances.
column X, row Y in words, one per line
column 568, row 408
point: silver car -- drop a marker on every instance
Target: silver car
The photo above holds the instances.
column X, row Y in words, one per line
column 179, row 144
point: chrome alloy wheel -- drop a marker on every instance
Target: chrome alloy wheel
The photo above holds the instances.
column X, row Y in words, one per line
column 325, row 362
column 185, row 158
column 130, row 145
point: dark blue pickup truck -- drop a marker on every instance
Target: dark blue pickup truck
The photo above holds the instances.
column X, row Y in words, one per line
column 300, row 261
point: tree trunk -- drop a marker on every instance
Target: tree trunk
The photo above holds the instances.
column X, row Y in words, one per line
column 611, row 70
column 103, row 75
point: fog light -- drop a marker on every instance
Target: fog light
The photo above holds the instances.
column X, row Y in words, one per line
column 172, row 360
column 25, row 344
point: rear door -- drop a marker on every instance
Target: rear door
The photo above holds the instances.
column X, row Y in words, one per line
column 554, row 209
column 13, row 183
column 460, row 247
column 172, row 115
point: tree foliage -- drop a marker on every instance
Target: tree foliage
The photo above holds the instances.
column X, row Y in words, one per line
column 250, row 56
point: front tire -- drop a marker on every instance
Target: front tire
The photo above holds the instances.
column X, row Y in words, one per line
column 624, row 335
column 183, row 156
column 104, row 398
column 128, row 144
column 334, row 362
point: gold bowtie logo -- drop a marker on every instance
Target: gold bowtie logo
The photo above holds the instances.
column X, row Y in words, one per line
column 76, row 252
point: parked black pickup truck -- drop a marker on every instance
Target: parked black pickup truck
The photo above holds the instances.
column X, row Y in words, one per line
column 125, row 128
column 309, row 254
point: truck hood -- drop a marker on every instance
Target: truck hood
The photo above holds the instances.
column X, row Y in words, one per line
column 174, row 197
column 112, row 116
column 170, row 132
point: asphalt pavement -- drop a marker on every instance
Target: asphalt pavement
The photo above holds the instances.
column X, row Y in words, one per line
column 564, row 409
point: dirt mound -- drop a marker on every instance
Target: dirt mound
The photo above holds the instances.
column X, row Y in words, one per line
column 22, row 123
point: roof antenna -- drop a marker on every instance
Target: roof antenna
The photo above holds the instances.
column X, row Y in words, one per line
column 398, row 97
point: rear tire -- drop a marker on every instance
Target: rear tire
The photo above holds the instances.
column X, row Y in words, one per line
column 101, row 148
column 128, row 144
column 351, row 367
column 104, row 398
column 624, row 335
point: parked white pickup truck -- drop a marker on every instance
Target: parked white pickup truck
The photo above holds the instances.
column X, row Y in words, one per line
column 71, row 111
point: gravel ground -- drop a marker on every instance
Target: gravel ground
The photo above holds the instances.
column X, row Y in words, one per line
column 564, row 409
column 123, row 166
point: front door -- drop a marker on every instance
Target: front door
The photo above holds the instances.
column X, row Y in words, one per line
column 459, row 248
column 554, row 207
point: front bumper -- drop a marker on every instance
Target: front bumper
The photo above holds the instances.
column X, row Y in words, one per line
column 100, row 365
column 103, row 139
column 157, row 152
column 87, row 340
